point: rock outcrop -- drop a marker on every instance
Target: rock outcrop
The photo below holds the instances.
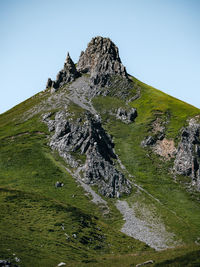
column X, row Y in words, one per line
column 126, row 116
column 157, row 133
column 83, row 142
column 101, row 60
column 67, row 74
column 187, row 161
column 6, row 263
column 87, row 137
column 148, row 141
column 158, row 142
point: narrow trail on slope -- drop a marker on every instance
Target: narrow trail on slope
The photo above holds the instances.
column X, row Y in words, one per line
column 143, row 190
column 147, row 229
column 151, row 232
column 95, row 197
column 79, row 94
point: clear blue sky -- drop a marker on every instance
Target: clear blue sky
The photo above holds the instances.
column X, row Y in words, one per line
column 158, row 40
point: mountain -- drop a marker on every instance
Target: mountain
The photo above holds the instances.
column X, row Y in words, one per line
column 99, row 169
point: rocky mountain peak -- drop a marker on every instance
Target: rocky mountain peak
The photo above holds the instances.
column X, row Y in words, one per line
column 101, row 59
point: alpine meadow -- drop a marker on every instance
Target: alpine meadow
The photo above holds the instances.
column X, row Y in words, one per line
column 100, row 169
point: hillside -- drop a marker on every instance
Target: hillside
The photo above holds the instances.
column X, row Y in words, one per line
column 99, row 169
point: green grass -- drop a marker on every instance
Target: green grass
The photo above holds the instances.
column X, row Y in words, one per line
column 154, row 101
column 178, row 209
column 33, row 210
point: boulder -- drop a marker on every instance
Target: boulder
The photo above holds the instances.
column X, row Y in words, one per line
column 145, row 263
column 59, row 184
column 126, row 116
column 61, row 264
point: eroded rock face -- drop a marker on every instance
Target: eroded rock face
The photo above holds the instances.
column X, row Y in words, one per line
column 101, row 59
column 126, row 116
column 87, row 137
column 165, row 148
column 157, row 133
column 187, row 160
column 67, row 74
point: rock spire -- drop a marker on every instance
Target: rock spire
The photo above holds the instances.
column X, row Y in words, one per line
column 67, row 74
column 100, row 60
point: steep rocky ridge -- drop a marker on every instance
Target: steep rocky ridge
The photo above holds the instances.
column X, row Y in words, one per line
column 86, row 136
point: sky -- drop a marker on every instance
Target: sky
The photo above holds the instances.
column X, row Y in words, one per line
column 158, row 41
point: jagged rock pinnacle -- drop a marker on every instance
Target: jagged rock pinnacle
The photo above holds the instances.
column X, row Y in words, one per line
column 101, row 59
column 67, row 74
column 69, row 65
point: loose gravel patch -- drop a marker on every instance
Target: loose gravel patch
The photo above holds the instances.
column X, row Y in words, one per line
column 146, row 229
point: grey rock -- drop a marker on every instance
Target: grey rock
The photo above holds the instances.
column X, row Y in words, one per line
column 49, row 83
column 61, row 264
column 59, row 184
column 5, row 263
column 187, row 161
column 126, row 116
column 145, row 227
column 103, row 65
column 46, row 116
column 48, row 121
column 145, row 263
column 66, row 75
column 148, row 141
column 101, row 60
column 87, row 137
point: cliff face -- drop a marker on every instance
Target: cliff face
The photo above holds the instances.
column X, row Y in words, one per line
column 187, row 161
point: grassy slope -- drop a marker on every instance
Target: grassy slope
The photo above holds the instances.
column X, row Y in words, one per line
column 32, row 210
column 178, row 209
